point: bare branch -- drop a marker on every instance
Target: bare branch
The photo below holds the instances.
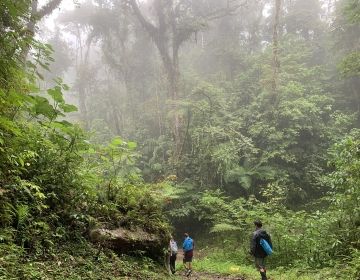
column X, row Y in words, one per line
column 48, row 8
column 145, row 23
column 229, row 10
column 156, row 33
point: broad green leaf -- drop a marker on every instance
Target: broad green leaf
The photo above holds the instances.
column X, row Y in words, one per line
column 65, row 123
column 68, row 108
column 56, row 94
column 43, row 107
column 117, row 141
column 132, row 145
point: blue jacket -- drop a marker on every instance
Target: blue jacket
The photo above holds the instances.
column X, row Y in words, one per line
column 188, row 244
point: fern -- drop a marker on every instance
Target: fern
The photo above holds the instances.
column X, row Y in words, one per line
column 22, row 213
column 7, row 214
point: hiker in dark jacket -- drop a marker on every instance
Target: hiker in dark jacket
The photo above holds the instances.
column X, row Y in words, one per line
column 257, row 251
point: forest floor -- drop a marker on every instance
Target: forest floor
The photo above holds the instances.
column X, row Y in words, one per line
column 80, row 261
column 209, row 266
column 201, row 273
column 210, row 276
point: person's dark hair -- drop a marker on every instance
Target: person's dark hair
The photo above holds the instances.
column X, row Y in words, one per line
column 258, row 223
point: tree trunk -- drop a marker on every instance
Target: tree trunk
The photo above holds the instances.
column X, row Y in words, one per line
column 82, row 105
column 30, row 29
column 159, row 112
column 115, row 117
column 168, row 51
column 36, row 15
column 275, row 58
column 173, row 77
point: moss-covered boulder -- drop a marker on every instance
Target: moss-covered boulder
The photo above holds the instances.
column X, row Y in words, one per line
column 127, row 241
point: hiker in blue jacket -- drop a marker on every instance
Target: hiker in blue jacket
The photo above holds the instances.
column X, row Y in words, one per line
column 188, row 248
column 257, row 250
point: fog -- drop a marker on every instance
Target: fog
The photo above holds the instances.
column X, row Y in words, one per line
column 178, row 77
column 125, row 121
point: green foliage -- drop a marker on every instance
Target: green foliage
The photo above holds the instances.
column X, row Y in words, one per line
column 314, row 239
column 75, row 261
column 346, row 32
column 120, row 196
column 246, row 150
column 354, row 267
column 350, row 66
column 345, row 190
column 38, row 153
column 218, row 263
column 238, row 140
column 352, row 11
column 54, row 184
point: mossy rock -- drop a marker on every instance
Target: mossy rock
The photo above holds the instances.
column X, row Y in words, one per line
column 126, row 241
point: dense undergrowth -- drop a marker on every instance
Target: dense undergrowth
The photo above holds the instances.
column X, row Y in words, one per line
column 324, row 238
column 56, row 184
column 75, row 261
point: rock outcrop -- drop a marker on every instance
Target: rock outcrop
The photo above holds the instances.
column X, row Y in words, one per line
column 123, row 240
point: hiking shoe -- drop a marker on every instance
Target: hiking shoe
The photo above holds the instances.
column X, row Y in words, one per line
column 188, row 273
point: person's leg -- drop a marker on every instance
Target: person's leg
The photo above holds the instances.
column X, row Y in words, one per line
column 260, row 265
column 189, row 261
column 172, row 263
column 189, row 271
column 264, row 269
column 185, row 263
column 263, row 273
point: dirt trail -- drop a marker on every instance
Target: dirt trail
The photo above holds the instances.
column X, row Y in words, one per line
column 209, row 276
column 198, row 275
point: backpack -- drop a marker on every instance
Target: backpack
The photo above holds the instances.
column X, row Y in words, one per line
column 266, row 246
column 173, row 247
column 188, row 244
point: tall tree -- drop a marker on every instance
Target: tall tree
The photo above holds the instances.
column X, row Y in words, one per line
column 346, row 28
column 176, row 21
column 275, row 58
column 36, row 14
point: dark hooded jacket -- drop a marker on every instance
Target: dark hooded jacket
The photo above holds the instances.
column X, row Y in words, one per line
column 256, row 250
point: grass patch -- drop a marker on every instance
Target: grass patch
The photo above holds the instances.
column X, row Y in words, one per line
column 216, row 263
